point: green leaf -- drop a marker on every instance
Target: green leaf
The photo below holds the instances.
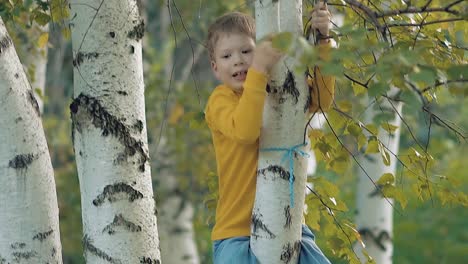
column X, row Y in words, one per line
column 372, row 129
column 354, row 130
column 358, row 89
column 389, row 128
column 282, row 41
column 385, row 179
column 40, row 17
column 457, row 71
column 423, row 74
column 377, row 88
column 345, row 106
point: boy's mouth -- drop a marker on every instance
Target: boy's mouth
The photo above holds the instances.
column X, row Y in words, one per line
column 240, row 75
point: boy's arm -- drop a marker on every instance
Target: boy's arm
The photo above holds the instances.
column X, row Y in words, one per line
column 239, row 120
column 322, row 87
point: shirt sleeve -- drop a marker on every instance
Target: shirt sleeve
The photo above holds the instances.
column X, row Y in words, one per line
column 322, row 87
column 238, row 119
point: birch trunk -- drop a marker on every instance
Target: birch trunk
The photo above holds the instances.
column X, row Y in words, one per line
column 29, row 223
column 38, row 61
column 276, row 223
column 175, row 213
column 109, row 133
column 374, row 217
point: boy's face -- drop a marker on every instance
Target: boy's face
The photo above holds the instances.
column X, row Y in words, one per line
column 233, row 55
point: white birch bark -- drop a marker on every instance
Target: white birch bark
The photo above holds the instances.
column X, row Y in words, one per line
column 175, row 214
column 276, row 225
column 29, row 224
column 374, row 217
column 109, row 132
column 175, row 211
column 38, row 61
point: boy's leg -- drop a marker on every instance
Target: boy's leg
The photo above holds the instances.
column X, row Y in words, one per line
column 310, row 252
column 233, row 250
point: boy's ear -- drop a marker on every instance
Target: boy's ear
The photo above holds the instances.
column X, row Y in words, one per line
column 214, row 67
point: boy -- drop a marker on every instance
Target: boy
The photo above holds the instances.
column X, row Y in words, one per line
column 234, row 116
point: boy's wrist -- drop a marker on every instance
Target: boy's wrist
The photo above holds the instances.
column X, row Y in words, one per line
column 259, row 68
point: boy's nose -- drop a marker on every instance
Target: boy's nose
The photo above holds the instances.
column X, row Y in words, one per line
column 239, row 60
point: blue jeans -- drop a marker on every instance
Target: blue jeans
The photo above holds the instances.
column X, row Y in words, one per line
column 236, row 250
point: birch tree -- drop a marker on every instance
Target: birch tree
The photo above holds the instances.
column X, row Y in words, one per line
column 374, row 217
column 282, row 165
column 387, row 51
column 109, row 133
column 29, row 221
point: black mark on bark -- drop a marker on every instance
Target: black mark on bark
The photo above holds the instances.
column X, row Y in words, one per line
column 88, row 246
column 42, row 236
column 16, row 75
column 138, row 31
column 112, row 34
column 18, row 245
column 124, row 93
column 33, row 101
column 179, row 230
column 81, row 56
column 147, row 260
column 5, row 43
column 109, row 124
column 23, row 255
column 289, row 86
column 21, row 161
column 132, row 49
column 138, row 126
column 289, row 251
column 288, row 216
column 110, row 192
column 275, row 169
column 119, row 220
column 258, row 226
column 379, row 240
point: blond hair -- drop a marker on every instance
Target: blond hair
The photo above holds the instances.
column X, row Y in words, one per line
column 233, row 22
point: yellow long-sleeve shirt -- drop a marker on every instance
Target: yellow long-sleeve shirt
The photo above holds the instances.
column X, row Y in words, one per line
column 235, row 119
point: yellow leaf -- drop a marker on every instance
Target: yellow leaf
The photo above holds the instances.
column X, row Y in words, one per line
column 358, row 89
column 66, row 33
column 345, row 106
column 43, row 40
column 389, row 127
column 315, row 134
column 372, row 147
column 177, row 112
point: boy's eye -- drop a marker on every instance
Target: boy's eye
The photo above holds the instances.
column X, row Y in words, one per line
column 246, row 51
column 226, row 56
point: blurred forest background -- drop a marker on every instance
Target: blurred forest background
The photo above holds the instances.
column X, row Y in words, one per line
column 178, row 80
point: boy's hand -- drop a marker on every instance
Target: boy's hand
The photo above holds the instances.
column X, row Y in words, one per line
column 320, row 18
column 265, row 56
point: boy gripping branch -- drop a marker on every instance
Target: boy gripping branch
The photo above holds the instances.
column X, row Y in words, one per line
column 234, row 116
